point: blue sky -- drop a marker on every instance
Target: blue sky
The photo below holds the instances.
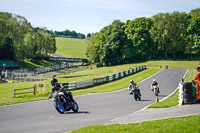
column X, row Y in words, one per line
column 90, row 16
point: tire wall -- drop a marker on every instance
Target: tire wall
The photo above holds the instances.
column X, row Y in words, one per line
column 187, row 93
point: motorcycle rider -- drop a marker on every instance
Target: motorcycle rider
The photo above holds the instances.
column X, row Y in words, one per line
column 155, row 84
column 58, row 87
column 135, row 86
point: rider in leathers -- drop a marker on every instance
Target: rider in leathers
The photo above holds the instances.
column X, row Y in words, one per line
column 135, row 86
column 58, row 87
column 155, row 84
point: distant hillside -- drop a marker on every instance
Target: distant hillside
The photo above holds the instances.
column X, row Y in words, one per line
column 71, row 48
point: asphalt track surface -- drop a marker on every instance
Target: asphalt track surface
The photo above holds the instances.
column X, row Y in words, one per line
column 95, row 109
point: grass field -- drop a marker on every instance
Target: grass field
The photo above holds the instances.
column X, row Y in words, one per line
column 188, row 124
column 173, row 64
column 71, row 48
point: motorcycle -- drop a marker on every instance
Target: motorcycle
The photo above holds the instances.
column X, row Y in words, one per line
column 155, row 89
column 136, row 94
column 64, row 103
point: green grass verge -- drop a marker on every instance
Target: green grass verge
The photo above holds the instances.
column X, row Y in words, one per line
column 71, row 48
column 188, row 124
column 173, row 64
column 173, row 100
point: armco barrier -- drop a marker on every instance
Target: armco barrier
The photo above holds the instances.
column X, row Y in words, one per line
column 101, row 80
column 98, row 81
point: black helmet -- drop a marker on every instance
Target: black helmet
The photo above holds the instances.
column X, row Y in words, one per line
column 54, row 81
column 198, row 68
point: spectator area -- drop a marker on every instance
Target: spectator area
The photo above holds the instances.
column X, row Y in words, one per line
column 8, row 65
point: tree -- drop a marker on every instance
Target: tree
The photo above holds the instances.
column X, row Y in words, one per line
column 138, row 32
column 159, row 34
column 6, row 44
column 195, row 13
column 112, row 49
column 89, row 35
column 193, row 37
column 105, row 46
column 92, row 50
column 19, row 40
column 177, row 30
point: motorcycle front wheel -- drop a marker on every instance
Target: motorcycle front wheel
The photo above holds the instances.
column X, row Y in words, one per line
column 59, row 107
column 75, row 107
column 156, row 92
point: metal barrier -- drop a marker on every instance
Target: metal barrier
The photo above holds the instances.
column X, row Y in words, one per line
column 101, row 80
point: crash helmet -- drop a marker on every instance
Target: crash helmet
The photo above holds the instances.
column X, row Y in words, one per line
column 131, row 81
column 198, row 68
column 154, row 80
column 54, row 81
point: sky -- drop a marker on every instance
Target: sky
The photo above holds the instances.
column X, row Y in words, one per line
column 90, row 16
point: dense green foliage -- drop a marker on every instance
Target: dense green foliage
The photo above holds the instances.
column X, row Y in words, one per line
column 19, row 40
column 173, row 35
column 69, row 34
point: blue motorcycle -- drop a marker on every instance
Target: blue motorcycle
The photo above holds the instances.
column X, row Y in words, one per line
column 63, row 103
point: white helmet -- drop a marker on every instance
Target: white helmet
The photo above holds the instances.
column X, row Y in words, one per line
column 131, row 81
column 154, row 80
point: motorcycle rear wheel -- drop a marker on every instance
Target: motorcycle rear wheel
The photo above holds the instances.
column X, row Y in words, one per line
column 135, row 97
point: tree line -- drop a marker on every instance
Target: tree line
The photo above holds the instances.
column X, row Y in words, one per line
column 20, row 40
column 173, row 35
column 69, row 34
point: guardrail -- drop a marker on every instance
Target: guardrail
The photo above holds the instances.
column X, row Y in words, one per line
column 101, row 80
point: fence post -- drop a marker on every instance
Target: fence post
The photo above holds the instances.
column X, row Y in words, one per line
column 34, row 89
column 14, row 92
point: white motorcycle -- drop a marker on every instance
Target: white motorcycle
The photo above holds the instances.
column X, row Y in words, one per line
column 155, row 89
